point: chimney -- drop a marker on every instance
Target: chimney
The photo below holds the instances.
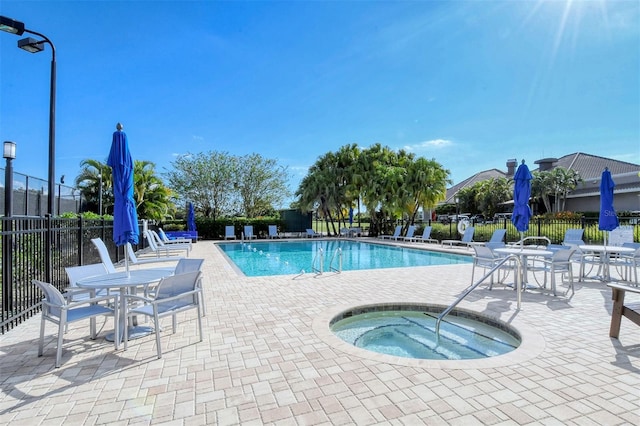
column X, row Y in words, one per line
column 511, row 167
column 546, row 164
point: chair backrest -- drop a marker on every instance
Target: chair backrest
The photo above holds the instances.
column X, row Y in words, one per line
column 248, row 231
column 229, row 231
column 273, row 231
column 104, row 255
column 410, row 231
column 498, row 236
column 163, row 236
column 156, row 238
column 76, row 273
column 396, row 232
column 55, row 300
column 467, row 237
column 151, row 241
column 426, row 234
column 562, row 256
column 483, row 253
column 175, row 285
column 188, row 265
column 573, row 236
column 311, row 231
column 132, row 256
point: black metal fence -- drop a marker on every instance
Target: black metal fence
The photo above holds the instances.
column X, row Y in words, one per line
column 40, row 248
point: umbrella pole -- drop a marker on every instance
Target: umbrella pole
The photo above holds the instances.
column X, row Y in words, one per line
column 126, row 259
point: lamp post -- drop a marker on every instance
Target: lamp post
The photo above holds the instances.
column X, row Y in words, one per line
column 100, row 195
column 33, row 46
column 457, row 208
column 9, row 153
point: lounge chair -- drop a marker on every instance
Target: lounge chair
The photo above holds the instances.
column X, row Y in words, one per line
column 573, row 237
column 161, row 244
column 496, row 240
column 104, row 255
column 395, row 236
column 410, row 231
column 167, row 240
column 248, row 232
column 425, row 237
column 312, row 234
column 466, row 240
column 135, row 260
column 163, row 250
column 273, row 232
column 229, row 232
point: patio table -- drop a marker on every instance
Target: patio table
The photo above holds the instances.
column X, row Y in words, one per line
column 126, row 282
column 603, row 253
column 524, row 254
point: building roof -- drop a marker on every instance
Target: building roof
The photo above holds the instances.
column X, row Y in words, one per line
column 589, row 168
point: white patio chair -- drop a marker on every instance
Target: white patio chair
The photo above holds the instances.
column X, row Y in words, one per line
column 57, row 310
column 192, row 265
column 559, row 263
column 174, row 294
column 486, row 259
column 135, row 260
column 76, row 273
column 312, row 234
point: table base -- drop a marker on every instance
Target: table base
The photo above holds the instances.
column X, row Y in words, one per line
column 134, row 333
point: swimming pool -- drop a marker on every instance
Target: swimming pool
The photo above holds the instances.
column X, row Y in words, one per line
column 258, row 259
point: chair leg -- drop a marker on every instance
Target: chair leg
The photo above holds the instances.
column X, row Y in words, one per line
column 41, row 342
column 61, row 328
column 156, row 320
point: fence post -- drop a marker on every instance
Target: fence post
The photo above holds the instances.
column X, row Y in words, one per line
column 48, row 267
column 7, row 273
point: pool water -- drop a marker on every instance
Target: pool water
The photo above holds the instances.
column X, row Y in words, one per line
column 411, row 334
column 257, row 259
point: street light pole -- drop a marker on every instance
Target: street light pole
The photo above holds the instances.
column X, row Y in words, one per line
column 100, row 196
column 9, row 153
column 33, row 46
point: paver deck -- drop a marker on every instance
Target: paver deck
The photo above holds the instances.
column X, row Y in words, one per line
column 268, row 358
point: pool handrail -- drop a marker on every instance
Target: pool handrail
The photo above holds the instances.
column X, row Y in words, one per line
column 477, row 283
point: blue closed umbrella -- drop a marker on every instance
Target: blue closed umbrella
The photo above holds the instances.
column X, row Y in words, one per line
column 608, row 220
column 350, row 216
column 521, row 195
column 125, row 216
column 191, row 218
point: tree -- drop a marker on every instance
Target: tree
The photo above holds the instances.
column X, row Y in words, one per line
column 219, row 184
column 491, row 193
column 151, row 195
column 261, row 184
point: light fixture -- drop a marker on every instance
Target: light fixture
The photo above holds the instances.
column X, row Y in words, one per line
column 9, row 150
column 31, row 45
column 12, row 26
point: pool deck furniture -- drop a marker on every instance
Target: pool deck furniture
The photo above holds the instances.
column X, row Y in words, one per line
column 601, row 256
column 524, row 254
column 229, row 232
column 425, row 237
column 273, row 232
column 394, row 236
column 466, row 240
column 313, row 234
column 630, row 311
column 268, row 357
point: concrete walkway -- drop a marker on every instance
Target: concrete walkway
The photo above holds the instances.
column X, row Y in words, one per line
column 269, row 358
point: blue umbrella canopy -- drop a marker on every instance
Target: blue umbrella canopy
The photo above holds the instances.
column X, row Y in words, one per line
column 350, row 216
column 608, row 220
column 521, row 195
column 125, row 216
column 191, row 218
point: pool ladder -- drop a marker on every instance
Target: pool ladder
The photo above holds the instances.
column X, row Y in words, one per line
column 317, row 265
column 477, row 283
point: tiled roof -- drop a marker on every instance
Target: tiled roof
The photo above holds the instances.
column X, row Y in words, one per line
column 591, row 166
column 478, row 177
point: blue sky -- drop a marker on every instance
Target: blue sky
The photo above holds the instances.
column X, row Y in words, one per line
column 467, row 83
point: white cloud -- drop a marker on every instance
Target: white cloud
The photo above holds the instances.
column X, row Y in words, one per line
column 434, row 143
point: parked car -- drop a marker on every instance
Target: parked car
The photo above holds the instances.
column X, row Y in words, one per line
column 477, row 218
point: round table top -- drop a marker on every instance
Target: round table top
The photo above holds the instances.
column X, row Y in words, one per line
column 122, row 279
column 603, row 248
column 523, row 251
